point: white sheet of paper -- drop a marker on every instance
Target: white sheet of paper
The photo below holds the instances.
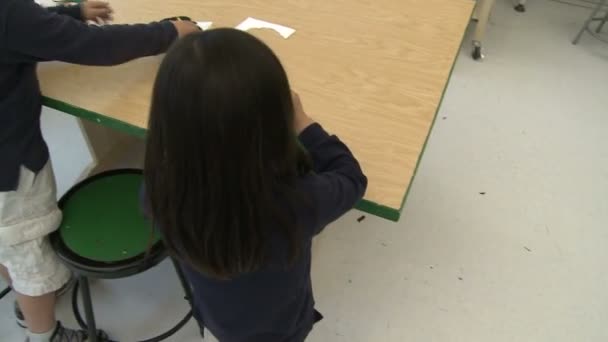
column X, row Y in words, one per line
column 46, row 3
column 250, row 23
column 204, row 25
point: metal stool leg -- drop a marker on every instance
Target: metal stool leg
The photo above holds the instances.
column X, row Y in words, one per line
column 602, row 23
column 88, row 308
column 588, row 21
column 188, row 292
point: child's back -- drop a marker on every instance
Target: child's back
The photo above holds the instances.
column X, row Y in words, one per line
column 236, row 198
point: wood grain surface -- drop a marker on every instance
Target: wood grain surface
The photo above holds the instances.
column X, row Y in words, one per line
column 371, row 71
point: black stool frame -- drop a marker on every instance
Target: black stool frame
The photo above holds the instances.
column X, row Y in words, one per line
column 84, row 269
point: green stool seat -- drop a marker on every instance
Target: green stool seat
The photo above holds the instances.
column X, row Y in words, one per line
column 105, row 235
column 102, row 220
column 103, row 232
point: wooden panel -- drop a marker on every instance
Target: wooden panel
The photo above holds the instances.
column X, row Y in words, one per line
column 373, row 72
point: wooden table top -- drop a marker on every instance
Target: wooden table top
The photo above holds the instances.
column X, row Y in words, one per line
column 372, row 72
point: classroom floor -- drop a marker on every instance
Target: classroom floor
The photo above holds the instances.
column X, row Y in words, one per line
column 503, row 238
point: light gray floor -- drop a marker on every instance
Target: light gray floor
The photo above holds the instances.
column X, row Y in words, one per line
column 525, row 262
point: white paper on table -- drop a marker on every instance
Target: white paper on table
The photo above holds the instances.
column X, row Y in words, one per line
column 46, row 3
column 204, row 25
column 250, row 23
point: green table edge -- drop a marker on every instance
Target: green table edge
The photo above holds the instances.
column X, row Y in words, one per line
column 370, row 207
column 94, row 117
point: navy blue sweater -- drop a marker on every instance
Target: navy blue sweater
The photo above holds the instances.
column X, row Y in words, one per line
column 31, row 34
column 275, row 304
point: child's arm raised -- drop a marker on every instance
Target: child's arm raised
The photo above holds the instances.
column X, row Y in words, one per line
column 339, row 182
column 34, row 34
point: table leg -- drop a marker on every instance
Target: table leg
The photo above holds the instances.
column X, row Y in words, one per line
column 521, row 6
column 482, row 11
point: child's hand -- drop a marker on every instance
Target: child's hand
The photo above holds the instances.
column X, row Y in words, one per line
column 301, row 119
column 185, row 27
column 95, row 10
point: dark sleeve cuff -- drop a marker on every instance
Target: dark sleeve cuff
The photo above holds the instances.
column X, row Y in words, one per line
column 71, row 11
column 171, row 31
column 312, row 135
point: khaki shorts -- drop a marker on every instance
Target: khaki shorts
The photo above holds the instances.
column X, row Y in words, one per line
column 27, row 216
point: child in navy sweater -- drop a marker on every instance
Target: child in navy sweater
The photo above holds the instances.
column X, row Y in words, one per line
column 239, row 180
column 28, row 209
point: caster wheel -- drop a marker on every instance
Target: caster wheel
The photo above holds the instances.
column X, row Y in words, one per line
column 520, row 8
column 477, row 55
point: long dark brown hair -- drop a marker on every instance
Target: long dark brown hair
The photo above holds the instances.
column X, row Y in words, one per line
column 222, row 155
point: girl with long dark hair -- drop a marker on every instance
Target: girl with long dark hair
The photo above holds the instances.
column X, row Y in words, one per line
column 239, row 180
